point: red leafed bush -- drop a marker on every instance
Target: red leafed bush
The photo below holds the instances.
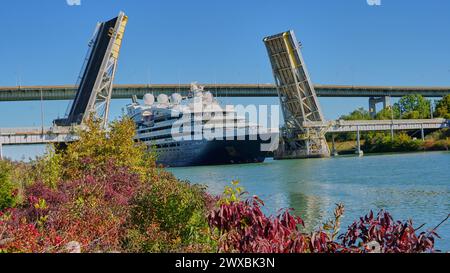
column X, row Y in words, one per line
column 21, row 237
column 242, row 227
column 91, row 211
column 391, row 236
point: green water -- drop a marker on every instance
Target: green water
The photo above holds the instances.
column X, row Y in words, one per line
column 413, row 186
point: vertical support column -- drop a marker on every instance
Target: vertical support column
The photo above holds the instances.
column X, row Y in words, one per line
column 392, row 130
column 372, row 107
column 333, row 146
column 358, row 141
column 1, row 151
column 422, row 132
column 386, row 102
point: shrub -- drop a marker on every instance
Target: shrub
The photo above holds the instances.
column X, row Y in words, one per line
column 18, row 236
column 91, row 211
column 391, row 236
column 381, row 142
column 403, row 142
column 437, row 145
column 48, row 169
column 442, row 134
column 173, row 208
column 100, row 146
column 242, row 227
column 443, row 108
column 106, row 193
column 8, row 191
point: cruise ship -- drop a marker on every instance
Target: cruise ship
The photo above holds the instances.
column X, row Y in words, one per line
column 196, row 130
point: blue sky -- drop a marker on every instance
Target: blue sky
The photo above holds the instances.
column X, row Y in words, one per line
column 401, row 42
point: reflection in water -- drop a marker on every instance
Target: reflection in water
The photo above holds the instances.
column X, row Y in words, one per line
column 309, row 208
column 415, row 186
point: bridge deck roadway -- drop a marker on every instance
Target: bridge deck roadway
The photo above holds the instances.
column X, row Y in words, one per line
column 21, row 136
column 67, row 92
column 18, row 136
column 24, row 136
column 342, row 126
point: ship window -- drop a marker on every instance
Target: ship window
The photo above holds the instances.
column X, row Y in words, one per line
column 157, row 129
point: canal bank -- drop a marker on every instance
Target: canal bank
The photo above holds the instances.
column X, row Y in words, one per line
column 413, row 185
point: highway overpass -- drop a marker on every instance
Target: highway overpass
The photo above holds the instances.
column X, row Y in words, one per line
column 67, row 92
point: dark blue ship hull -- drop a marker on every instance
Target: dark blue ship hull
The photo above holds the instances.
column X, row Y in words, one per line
column 214, row 152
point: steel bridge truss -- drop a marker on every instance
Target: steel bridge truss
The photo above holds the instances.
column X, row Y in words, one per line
column 96, row 84
column 298, row 100
column 100, row 101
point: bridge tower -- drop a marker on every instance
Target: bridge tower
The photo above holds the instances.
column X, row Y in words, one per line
column 95, row 85
column 298, row 100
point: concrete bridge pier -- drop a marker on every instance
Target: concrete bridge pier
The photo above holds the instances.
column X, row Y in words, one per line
column 334, row 151
column 1, row 151
column 386, row 100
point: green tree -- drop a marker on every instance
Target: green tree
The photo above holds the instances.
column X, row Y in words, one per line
column 388, row 113
column 382, row 142
column 414, row 106
column 443, row 108
column 96, row 147
column 358, row 114
column 8, row 191
column 48, row 168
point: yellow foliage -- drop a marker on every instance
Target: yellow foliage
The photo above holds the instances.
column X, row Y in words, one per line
column 96, row 147
column 48, row 168
column 232, row 194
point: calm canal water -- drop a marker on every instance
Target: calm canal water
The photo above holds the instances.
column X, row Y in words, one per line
column 415, row 186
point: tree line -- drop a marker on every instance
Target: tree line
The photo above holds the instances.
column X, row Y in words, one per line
column 413, row 106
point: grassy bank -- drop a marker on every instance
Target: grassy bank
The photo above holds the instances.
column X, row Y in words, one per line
column 105, row 193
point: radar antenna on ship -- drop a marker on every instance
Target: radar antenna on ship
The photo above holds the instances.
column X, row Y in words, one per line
column 196, row 89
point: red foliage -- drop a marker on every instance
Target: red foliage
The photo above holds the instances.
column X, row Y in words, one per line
column 19, row 236
column 91, row 211
column 392, row 236
column 94, row 211
column 244, row 228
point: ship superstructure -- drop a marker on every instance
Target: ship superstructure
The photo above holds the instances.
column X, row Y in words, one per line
column 197, row 130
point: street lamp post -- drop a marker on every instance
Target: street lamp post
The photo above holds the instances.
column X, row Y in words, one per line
column 42, row 112
column 392, row 122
